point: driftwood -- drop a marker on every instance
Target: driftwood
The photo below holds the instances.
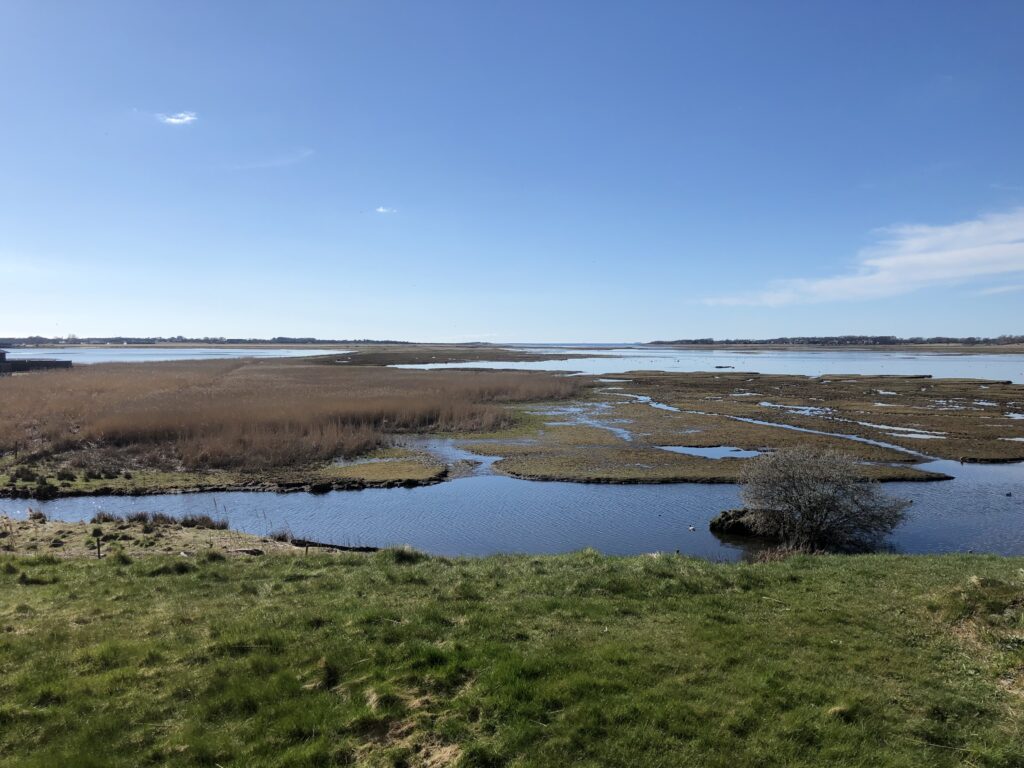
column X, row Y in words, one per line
column 305, row 543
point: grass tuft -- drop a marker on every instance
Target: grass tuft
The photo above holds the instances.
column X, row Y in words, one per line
column 203, row 521
column 173, row 568
column 403, row 555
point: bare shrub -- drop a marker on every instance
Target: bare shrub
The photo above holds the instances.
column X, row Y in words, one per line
column 815, row 499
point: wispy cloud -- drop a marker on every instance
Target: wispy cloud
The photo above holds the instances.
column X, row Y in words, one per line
column 1001, row 289
column 278, row 161
column 908, row 258
column 178, row 118
column 382, row 209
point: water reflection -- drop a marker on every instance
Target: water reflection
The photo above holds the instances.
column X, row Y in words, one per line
column 982, row 510
column 717, row 452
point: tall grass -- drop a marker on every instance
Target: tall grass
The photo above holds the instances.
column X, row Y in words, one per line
column 254, row 414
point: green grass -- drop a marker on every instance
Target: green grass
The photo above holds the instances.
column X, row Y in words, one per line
column 399, row 659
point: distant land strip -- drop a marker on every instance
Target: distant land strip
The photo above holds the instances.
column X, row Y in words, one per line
column 859, row 341
column 34, row 341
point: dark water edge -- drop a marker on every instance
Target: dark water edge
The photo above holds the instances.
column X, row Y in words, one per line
column 981, row 510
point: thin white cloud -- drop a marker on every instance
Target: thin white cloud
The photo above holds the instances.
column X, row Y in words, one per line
column 906, row 259
column 178, row 118
column 1001, row 289
column 382, row 209
column 279, row 161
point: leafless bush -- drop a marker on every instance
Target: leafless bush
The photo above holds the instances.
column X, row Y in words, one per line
column 814, row 499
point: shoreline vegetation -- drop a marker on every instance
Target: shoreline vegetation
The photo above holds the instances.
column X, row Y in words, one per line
column 182, row 646
column 347, row 423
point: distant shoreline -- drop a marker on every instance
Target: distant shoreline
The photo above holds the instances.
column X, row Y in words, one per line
column 735, row 346
column 952, row 349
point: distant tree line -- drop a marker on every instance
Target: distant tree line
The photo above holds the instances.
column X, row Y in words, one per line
column 219, row 340
column 839, row 341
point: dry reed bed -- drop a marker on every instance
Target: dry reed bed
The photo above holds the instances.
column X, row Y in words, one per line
column 254, row 414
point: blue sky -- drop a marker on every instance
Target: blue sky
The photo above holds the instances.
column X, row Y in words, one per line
column 500, row 171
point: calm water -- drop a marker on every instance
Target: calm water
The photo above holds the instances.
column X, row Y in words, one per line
column 982, row 509
column 113, row 354
column 486, row 513
column 806, row 363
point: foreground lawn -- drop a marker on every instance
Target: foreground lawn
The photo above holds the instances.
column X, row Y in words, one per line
column 396, row 659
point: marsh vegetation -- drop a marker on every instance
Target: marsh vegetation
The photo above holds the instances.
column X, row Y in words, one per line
column 620, row 430
column 226, row 424
column 245, row 415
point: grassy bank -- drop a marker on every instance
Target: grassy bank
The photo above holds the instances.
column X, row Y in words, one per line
column 381, row 468
column 145, row 535
column 397, row 659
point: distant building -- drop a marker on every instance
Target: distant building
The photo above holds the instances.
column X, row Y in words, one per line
column 24, row 366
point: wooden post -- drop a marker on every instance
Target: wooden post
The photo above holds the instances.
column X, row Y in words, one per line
column 98, row 542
